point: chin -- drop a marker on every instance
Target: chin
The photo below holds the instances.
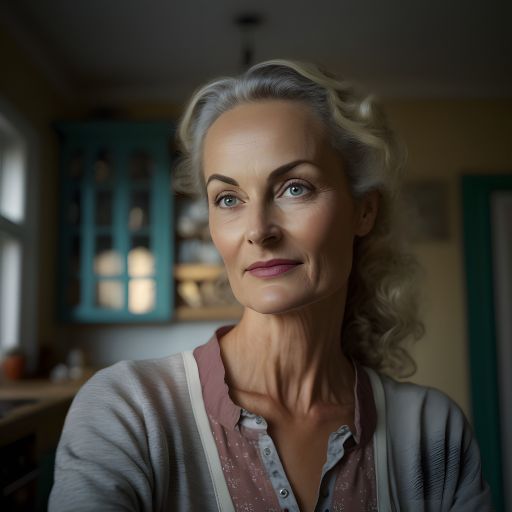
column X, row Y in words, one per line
column 272, row 303
column 276, row 300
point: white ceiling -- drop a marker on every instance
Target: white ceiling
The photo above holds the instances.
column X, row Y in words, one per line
column 111, row 50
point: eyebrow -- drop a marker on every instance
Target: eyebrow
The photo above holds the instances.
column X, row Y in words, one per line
column 282, row 169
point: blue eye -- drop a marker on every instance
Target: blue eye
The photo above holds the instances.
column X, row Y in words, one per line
column 226, row 201
column 295, row 190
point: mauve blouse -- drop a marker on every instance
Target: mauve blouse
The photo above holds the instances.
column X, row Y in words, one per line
column 252, row 468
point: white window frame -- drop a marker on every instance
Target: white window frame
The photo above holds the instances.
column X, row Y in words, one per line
column 22, row 316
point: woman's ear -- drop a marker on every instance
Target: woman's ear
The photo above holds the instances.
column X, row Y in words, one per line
column 367, row 209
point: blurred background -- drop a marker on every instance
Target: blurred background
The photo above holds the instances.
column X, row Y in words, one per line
column 100, row 261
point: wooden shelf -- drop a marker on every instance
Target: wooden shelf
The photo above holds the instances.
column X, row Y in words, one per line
column 197, row 272
column 202, row 272
column 209, row 313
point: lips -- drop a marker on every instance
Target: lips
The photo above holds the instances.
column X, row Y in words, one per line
column 272, row 268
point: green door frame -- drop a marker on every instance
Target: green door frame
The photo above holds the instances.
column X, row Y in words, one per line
column 476, row 199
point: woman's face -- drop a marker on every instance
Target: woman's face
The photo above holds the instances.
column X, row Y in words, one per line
column 278, row 191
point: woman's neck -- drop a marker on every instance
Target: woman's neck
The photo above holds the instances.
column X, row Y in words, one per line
column 292, row 360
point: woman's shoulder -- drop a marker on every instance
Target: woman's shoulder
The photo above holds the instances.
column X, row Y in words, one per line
column 419, row 399
column 433, row 411
column 435, row 455
column 417, row 415
column 127, row 371
column 408, row 388
column 424, row 416
column 162, row 367
column 137, row 382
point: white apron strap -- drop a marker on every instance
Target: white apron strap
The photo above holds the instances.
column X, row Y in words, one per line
column 222, row 495
column 380, row 448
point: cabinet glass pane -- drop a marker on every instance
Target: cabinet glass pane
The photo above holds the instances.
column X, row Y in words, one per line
column 141, row 261
column 74, row 260
column 109, row 294
column 102, row 167
column 139, row 209
column 75, row 208
column 107, row 261
column 76, row 165
column 73, row 292
column 104, row 208
column 141, row 166
column 141, row 295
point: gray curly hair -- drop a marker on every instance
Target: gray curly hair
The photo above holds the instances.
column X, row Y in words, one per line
column 381, row 313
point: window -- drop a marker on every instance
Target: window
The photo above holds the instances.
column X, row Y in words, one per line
column 116, row 222
column 17, row 233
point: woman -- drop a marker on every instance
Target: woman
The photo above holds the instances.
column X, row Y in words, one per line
column 289, row 409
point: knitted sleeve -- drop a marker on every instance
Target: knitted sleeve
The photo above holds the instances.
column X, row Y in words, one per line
column 102, row 460
column 434, row 459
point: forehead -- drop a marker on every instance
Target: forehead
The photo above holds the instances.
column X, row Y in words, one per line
column 263, row 130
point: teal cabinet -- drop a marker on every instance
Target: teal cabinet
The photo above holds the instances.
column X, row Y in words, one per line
column 116, row 222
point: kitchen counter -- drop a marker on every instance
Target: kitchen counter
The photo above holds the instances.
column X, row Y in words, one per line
column 46, row 409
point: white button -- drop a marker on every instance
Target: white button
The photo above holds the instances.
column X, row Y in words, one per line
column 259, row 419
column 284, row 492
column 267, row 451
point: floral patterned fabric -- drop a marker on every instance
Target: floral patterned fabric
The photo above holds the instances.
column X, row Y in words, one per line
column 254, row 473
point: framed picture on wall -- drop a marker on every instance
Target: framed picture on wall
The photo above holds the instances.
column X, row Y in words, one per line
column 428, row 203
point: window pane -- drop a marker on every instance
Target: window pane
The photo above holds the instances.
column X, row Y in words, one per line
column 141, row 295
column 141, row 261
column 74, row 262
column 10, row 291
column 141, row 166
column 110, row 294
column 76, row 165
column 107, row 261
column 73, row 292
column 139, row 210
column 12, row 181
column 104, row 208
column 75, row 208
column 103, row 167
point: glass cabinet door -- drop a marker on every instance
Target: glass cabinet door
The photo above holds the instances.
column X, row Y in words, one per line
column 116, row 225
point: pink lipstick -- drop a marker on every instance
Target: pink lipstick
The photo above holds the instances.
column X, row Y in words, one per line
column 271, row 268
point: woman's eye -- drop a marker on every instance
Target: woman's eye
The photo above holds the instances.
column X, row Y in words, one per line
column 226, row 201
column 295, row 190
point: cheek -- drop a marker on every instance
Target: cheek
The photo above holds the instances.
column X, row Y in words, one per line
column 327, row 231
column 226, row 238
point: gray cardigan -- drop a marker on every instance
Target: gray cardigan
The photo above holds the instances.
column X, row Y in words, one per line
column 131, row 442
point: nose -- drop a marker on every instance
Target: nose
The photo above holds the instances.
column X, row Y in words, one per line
column 262, row 226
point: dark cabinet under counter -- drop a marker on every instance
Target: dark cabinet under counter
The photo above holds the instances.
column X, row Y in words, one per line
column 19, row 473
column 33, row 414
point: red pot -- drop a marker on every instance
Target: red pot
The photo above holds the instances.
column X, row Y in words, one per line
column 13, row 367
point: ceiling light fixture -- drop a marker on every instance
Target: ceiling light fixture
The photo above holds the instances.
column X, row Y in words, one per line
column 247, row 23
